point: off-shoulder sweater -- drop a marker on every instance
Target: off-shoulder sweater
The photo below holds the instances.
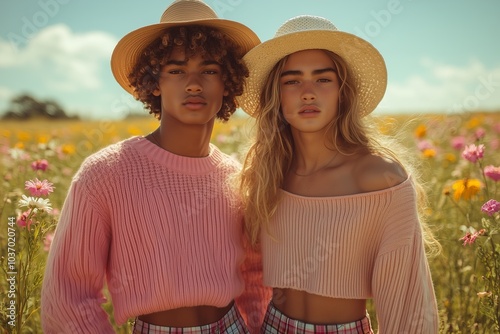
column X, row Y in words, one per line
column 361, row 246
column 161, row 230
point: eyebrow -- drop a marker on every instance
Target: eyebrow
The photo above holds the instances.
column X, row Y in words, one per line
column 315, row 72
column 184, row 62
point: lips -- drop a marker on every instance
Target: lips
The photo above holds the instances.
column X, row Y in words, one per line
column 194, row 100
column 309, row 109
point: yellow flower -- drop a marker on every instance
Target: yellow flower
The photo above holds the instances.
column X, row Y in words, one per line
column 429, row 153
column 466, row 188
column 474, row 122
column 420, row 131
column 43, row 139
column 68, row 149
column 134, row 130
column 450, row 157
column 23, row 136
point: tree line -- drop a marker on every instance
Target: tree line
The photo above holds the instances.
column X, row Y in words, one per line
column 25, row 106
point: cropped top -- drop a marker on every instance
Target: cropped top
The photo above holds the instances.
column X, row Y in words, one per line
column 360, row 246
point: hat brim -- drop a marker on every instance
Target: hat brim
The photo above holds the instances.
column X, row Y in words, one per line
column 365, row 62
column 129, row 49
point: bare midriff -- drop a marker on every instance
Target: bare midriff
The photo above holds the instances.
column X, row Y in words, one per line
column 186, row 316
column 316, row 309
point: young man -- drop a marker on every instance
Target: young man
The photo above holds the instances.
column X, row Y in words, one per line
column 154, row 217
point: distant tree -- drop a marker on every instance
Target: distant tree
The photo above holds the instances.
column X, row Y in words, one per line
column 26, row 106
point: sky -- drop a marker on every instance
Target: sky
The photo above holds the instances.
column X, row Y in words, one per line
column 441, row 55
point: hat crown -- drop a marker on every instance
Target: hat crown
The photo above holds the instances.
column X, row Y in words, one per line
column 304, row 23
column 187, row 10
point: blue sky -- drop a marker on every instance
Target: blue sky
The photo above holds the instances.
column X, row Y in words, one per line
column 441, row 55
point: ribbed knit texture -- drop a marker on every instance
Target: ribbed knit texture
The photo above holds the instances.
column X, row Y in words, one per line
column 161, row 230
column 361, row 246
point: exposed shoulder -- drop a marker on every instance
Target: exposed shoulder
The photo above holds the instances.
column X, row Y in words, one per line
column 374, row 173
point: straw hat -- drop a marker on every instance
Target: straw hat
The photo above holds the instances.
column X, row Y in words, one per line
column 179, row 13
column 312, row 32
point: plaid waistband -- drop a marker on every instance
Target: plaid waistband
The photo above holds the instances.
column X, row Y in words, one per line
column 231, row 323
column 276, row 322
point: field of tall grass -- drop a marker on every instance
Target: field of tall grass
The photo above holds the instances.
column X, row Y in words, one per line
column 460, row 164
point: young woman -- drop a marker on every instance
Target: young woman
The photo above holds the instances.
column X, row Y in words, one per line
column 152, row 217
column 333, row 207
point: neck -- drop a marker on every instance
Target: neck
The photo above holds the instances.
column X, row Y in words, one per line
column 184, row 139
column 311, row 154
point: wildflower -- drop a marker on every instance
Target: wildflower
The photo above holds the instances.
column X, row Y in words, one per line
column 23, row 221
column 39, row 188
column 466, row 188
column 424, row 145
column 491, row 207
column 480, row 133
column 68, row 149
column 492, row 172
column 429, row 153
column 484, row 294
column 473, row 153
column 40, row 164
column 469, row 238
column 420, row 131
column 458, row 143
column 47, row 241
column 35, row 203
column 450, row 157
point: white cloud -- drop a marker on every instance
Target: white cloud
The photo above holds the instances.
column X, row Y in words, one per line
column 63, row 60
column 445, row 88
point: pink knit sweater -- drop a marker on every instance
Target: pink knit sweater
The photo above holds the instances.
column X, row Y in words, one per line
column 361, row 246
column 161, row 230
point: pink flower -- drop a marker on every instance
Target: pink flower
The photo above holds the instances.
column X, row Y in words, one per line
column 40, row 164
column 39, row 188
column 494, row 144
column 47, row 241
column 425, row 145
column 22, row 219
column 473, row 153
column 458, row 143
column 496, row 127
column 480, row 133
column 491, row 207
column 492, row 172
column 470, row 238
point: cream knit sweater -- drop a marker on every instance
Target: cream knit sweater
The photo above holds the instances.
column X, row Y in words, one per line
column 361, row 246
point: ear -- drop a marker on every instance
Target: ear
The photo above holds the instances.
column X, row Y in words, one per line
column 226, row 93
column 156, row 92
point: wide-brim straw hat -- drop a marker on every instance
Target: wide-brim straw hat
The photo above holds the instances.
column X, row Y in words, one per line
column 179, row 13
column 312, row 32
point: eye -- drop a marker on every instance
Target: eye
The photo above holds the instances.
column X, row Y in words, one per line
column 174, row 71
column 290, row 82
column 324, row 80
column 211, row 72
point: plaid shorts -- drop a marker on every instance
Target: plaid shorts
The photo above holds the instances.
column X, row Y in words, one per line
column 276, row 322
column 231, row 323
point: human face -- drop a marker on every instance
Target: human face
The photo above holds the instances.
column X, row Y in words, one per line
column 191, row 89
column 309, row 89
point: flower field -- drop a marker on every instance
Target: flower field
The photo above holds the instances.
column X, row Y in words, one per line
column 460, row 164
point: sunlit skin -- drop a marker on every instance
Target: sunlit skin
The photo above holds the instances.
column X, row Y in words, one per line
column 191, row 93
column 309, row 100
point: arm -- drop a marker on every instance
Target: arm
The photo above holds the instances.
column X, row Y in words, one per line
column 402, row 286
column 255, row 298
column 76, row 267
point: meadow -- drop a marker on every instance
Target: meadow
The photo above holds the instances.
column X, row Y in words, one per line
column 459, row 162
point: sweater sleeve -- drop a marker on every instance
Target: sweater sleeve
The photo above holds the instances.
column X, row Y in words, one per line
column 403, row 292
column 253, row 302
column 76, row 268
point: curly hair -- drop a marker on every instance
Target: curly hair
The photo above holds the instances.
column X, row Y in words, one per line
column 271, row 151
column 211, row 44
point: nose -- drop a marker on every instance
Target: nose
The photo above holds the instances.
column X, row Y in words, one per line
column 307, row 93
column 193, row 84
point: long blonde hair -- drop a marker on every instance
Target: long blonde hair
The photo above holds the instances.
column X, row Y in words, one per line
column 270, row 154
